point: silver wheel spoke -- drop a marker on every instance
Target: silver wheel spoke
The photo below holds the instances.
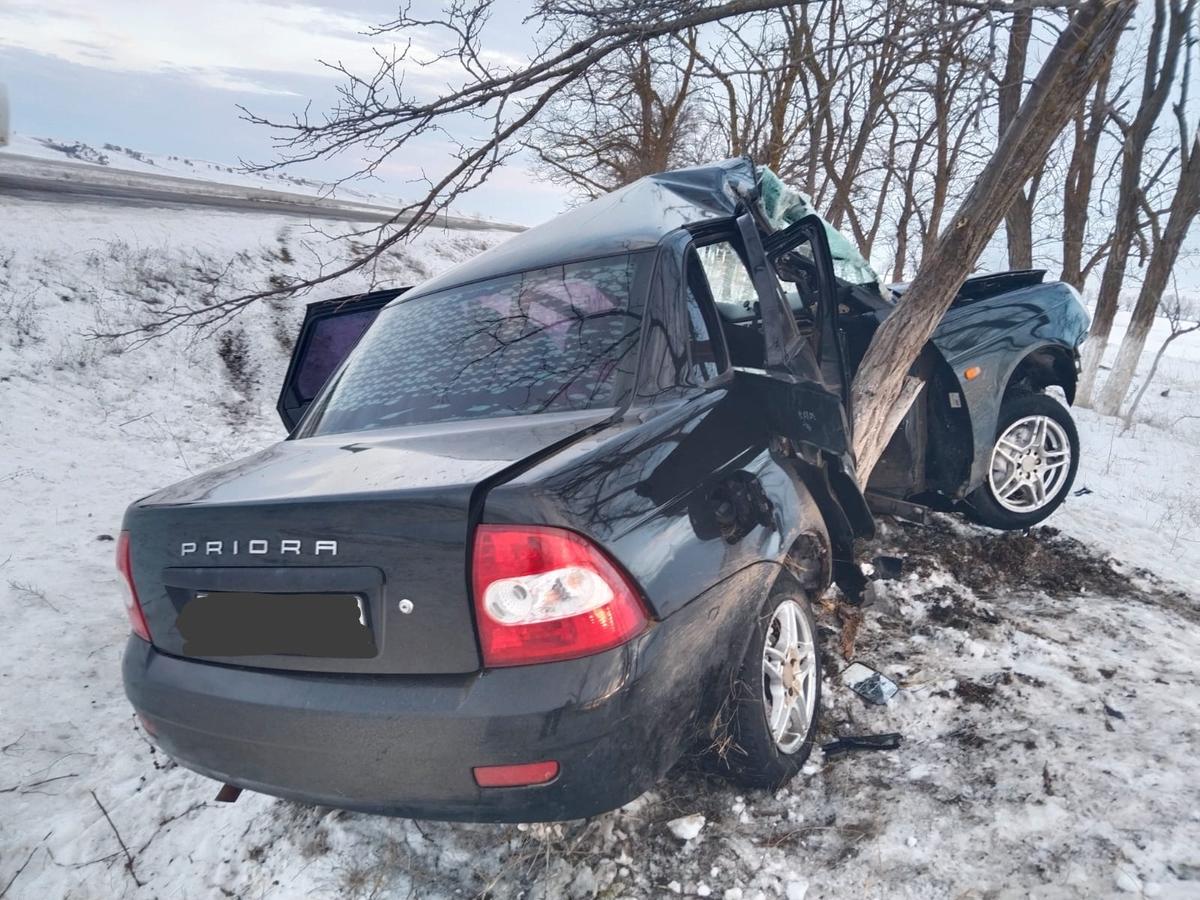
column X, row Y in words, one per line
column 1039, row 489
column 1008, row 450
column 780, row 714
column 788, row 622
column 1039, row 432
column 1009, row 487
column 810, row 691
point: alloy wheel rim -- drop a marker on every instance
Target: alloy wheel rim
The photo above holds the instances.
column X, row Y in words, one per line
column 789, row 668
column 1029, row 464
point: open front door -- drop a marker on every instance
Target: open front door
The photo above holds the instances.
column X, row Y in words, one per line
column 801, row 257
column 331, row 329
column 805, row 391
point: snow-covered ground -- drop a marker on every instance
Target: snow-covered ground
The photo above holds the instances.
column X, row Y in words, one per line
column 1049, row 701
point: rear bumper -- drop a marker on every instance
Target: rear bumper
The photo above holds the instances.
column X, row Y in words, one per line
column 406, row 745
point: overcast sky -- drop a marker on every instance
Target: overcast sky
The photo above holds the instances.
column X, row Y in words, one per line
column 166, row 77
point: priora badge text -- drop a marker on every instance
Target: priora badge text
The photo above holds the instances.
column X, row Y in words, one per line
column 256, row 547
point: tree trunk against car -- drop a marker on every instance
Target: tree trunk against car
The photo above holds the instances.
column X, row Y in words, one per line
column 1158, row 80
column 1184, row 207
column 1018, row 222
column 1068, row 72
column 1081, row 174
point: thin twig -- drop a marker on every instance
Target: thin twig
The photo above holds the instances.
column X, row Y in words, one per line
column 120, row 840
column 17, row 873
column 23, row 788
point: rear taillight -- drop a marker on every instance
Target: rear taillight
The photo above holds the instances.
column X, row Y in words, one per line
column 133, row 607
column 544, row 594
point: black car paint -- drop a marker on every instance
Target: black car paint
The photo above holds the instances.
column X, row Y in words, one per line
column 405, row 745
column 399, row 504
column 698, row 495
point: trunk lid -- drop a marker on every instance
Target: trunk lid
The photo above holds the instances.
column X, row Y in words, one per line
column 343, row 553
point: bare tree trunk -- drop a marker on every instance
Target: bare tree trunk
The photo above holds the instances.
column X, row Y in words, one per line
column 1018, row 222
column 1184, row 207
column 1068, row 72
column 1081, row 174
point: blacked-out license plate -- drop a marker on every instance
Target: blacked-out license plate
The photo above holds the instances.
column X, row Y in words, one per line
column 242, row 623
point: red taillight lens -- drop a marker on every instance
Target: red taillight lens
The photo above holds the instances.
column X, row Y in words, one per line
column 544, row 594
column 522, row 775
column 133, row 607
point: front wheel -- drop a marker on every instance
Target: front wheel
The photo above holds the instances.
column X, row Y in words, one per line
column 1032, row 464
column 777, row 697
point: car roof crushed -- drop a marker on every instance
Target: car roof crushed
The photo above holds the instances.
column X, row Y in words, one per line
column 633, row 218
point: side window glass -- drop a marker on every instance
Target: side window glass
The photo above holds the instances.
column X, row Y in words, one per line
column 330, row 340
column 727, row 276
column 700, row 344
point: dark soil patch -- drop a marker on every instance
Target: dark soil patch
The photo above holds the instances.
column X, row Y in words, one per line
column 954, row 610
column 992, row 563
column 1041, row 559
column 975, row 692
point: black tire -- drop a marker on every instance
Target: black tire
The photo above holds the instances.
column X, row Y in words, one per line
column 753, row 758
column 983, row 504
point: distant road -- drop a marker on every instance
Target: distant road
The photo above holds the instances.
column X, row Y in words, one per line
column 50, row 181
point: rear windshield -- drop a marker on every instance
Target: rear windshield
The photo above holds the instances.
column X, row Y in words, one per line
column 548, row 340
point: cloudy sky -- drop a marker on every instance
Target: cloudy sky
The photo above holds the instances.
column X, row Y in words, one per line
column 167, row 77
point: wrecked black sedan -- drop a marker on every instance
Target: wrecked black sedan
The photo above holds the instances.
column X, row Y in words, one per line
column 542, row 525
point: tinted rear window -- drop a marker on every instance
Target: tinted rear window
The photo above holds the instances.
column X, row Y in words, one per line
column 547, row 340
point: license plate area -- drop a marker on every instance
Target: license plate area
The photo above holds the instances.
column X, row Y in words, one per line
column 269, row 584
column 251, row 623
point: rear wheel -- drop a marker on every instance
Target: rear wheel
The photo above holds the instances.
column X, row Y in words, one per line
column 777, row 697
column 1032, row 464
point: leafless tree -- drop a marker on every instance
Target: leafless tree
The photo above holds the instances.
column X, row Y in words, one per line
column 1086, row 133
column 631, row 115
column 1167, row 242
column 956, row 101
column 485, row 113
column 1018, row 223
column 1168, row 33
column 857, row 103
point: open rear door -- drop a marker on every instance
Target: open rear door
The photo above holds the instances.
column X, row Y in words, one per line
column 331, row 329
